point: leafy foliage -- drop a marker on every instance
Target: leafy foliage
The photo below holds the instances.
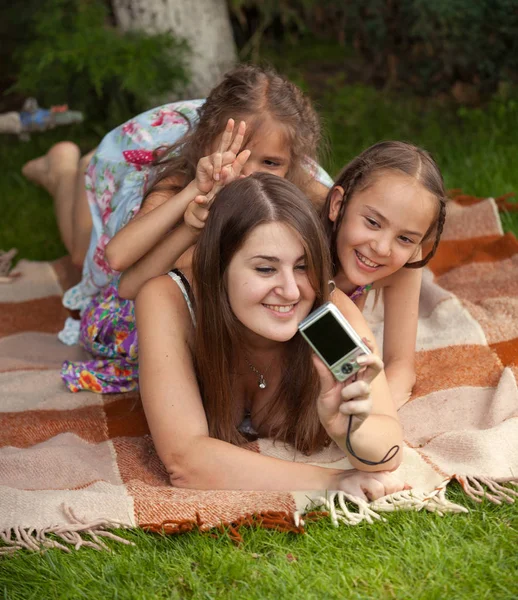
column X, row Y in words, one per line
column 253, row 19
column 460, row 46
column 433, row 45
column 75, row 56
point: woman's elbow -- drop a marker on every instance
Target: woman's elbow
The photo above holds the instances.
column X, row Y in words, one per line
column 182, row 475
column 412, row 378
column 180, row 480
column 186, row 481
column 395, row 453
column 401, row 370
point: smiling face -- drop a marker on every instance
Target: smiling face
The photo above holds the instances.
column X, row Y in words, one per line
column 267, row 284
column 382, row 228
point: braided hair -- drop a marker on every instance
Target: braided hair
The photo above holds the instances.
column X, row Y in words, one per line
column 387, row 156
column 439, row 226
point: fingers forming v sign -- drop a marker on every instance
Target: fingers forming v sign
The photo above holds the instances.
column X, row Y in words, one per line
column 228, row 161
column 228, row 148
column 215, row 171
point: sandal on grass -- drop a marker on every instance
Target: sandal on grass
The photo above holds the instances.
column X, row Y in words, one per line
column 6, row 260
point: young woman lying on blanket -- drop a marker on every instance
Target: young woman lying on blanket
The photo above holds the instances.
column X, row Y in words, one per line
column 282, row 136
column 260, row 265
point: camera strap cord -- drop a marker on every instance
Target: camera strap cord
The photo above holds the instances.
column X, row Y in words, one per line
column 388, row 456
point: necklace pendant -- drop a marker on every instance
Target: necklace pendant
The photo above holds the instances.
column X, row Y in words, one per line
column 262, row 382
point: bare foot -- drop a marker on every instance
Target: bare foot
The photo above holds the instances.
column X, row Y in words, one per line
column 36, row 170
column 45, row 170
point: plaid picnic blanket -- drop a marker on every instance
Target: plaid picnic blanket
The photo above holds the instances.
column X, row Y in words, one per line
column 78, row 465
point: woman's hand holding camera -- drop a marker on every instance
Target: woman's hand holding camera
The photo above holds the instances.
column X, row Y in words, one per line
column 338, row 401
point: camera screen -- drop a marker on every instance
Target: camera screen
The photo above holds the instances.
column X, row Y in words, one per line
column 330, row 338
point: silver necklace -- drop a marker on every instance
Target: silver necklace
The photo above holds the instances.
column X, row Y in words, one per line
column 261, row 381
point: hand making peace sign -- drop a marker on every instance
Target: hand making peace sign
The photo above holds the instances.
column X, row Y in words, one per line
column 215, row 171
column 226, row 164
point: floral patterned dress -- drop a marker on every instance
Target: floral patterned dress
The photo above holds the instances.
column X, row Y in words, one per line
column 116, row 181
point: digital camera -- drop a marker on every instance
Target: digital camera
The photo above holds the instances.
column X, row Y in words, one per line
column 334, row 340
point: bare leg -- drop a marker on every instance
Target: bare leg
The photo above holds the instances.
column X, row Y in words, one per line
column 81, row 216
column 61, row 173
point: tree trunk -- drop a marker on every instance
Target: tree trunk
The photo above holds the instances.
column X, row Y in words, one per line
column 205, row 25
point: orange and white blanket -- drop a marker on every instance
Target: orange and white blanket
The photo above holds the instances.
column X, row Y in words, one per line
column 78, row 465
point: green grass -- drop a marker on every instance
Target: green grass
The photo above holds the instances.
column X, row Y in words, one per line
column 412, row 555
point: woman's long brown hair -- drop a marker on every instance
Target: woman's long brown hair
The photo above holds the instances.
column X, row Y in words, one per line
column 237, row 210
column 253, row 94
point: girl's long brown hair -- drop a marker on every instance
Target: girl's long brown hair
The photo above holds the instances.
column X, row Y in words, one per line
column 253, row 94
column 237, row 210
column 360, row 173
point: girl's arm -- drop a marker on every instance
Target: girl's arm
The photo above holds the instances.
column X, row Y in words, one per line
column 379, row 430
column 401, row 302
column 158, row 261
column 177, row 421
column 166, row 253
column 162, row 210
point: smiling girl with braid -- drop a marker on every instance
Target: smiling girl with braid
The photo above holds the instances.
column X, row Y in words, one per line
column 384, row 209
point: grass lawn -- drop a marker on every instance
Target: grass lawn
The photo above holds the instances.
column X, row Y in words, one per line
column 411, row 555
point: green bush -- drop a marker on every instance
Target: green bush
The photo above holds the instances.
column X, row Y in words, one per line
column 466, row 47
column 435, row 45
column 75, row 56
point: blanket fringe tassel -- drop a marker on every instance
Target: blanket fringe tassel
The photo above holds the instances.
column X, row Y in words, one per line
column 280, row 521
column 71, row 534
column 493, row 491
column 338, row 506
column 340, row 512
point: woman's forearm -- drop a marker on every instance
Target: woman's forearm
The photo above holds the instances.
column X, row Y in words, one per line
column 372, row 440
column 213, row 464
column 158, row 261
column 142, row 233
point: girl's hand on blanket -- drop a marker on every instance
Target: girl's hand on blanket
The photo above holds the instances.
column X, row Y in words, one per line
column 224, row 165
column 338, row 401
column 371, row 486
